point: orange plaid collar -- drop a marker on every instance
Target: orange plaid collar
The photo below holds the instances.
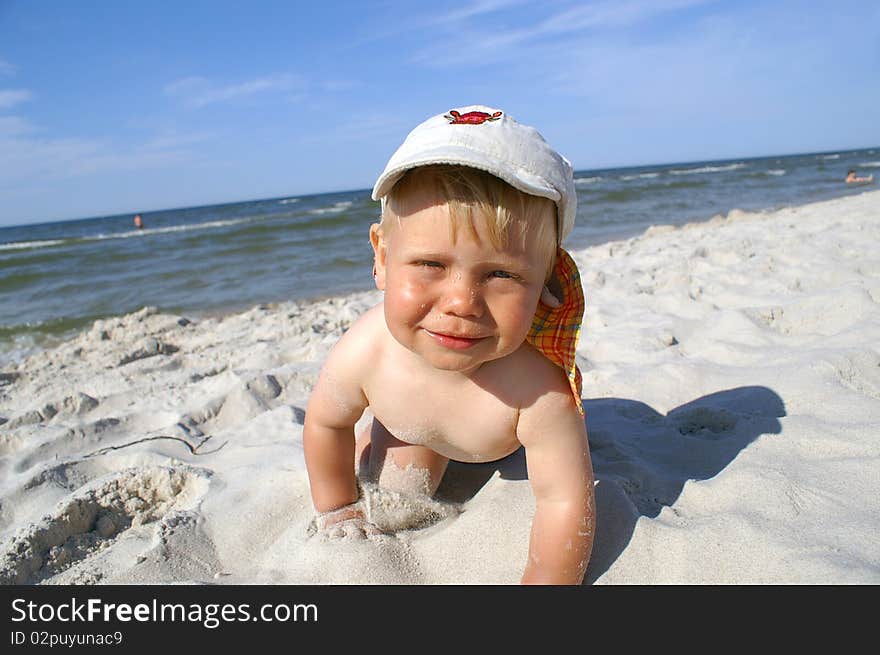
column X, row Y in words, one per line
column 555, row 330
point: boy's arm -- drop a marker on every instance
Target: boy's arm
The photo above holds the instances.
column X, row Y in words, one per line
column 334, row 407
column 561, row 474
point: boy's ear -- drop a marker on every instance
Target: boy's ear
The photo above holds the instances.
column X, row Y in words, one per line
column 377, row 240
column 552, row 294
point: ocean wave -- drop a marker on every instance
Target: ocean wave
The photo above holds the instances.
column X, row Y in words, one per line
column 16, row 349
column 20, row 340
column 22, row 245
column 707, row 169
column 15, row 281
column 587, row 180
column 870, row 164
column 335, row 209
column 169, row 229
column 288, row 201
column 640, row 176
column 775, row 171
column 829, row 156
column 51, row 327
column 127, row 234
column 620, row 196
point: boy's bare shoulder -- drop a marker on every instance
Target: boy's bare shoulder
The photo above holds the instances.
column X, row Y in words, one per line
column 543, row 390
column 363, row 340
column 530, row 376
column 369, row 325
column 542, row 372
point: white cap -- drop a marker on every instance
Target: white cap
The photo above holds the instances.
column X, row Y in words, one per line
column 489, row 139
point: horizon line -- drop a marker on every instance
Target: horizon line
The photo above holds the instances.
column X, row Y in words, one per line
column 353, row 190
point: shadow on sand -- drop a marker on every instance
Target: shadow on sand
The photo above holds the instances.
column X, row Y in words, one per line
column 642, row 459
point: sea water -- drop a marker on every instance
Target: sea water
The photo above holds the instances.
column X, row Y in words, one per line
column 57, row 278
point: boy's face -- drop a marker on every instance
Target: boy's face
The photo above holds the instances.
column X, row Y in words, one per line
column 452, row 297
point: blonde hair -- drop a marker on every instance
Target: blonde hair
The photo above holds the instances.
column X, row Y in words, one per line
column 470, row 193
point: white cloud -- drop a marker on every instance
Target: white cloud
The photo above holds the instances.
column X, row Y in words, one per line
column 25, row 158
column 423, row 25
column 6, row 68
column 610, row 14
column 469, row 11
column 479, row 42
column 11, row 97
column 11, row 126
column 198, row 92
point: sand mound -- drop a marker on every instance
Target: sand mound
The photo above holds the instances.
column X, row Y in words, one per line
column 94, row 516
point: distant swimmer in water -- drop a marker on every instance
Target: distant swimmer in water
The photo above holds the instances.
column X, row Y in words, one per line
column 852, row 178
column 139, row 224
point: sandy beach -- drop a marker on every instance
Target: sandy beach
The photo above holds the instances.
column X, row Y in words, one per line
column 732, row 396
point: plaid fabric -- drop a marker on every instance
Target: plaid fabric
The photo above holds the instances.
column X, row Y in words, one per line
column 555, row 331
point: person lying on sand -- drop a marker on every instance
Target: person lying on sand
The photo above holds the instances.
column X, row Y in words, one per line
column 852, row 178
column 471, row 353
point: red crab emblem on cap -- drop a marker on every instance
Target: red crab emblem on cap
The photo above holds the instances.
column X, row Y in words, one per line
column 471, row 118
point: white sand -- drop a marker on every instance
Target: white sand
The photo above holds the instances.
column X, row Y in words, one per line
column 732, row 389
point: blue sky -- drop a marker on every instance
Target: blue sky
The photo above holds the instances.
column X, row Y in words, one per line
column 119, row 106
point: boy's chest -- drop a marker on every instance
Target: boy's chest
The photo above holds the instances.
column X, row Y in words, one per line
column 461, row 421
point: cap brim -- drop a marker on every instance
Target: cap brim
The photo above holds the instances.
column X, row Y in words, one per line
column 461, row 156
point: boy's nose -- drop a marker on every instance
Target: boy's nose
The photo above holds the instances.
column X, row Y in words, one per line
column 461, row 298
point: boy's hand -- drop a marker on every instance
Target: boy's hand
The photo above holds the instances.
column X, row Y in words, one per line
column 346, row 521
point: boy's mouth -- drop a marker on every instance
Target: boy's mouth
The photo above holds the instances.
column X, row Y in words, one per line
column 453, row 341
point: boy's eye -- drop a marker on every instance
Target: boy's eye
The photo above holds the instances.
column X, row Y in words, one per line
column 505, row 275
column 430, row 264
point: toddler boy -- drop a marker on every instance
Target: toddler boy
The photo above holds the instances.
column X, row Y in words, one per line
column 470, row 356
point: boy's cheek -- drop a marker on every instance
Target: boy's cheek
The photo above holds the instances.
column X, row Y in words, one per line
column 521, row 331
column 405, row 290
column 520, row 320
column 405, row 303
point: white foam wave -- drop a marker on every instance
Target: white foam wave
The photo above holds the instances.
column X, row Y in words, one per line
column 587, row 180
column 639, row 176
column 165, row 230
column 16, row 349
column 776, row 171
column 870, row 164
column 335, row 209
column 707, row 169
column 21, row 245
column 829, row 157
column 288, row 201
